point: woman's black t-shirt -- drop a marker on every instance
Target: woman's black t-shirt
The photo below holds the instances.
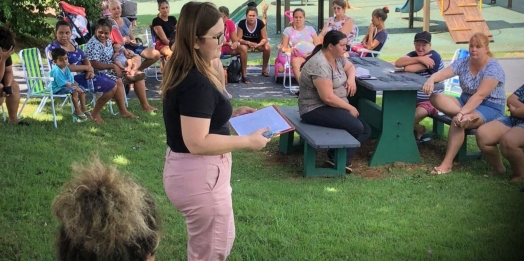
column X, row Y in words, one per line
column 254, row 36
column 196, row 96
column 167, row 26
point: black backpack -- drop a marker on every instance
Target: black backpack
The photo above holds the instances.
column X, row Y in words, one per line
column 234, row 70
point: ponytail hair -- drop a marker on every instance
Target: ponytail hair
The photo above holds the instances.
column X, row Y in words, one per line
column 381, row 13
column 332, row 37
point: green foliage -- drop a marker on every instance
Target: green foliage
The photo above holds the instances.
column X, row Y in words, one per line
column 27, row 17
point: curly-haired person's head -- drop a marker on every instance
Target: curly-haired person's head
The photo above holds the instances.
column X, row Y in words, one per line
column 105, row 215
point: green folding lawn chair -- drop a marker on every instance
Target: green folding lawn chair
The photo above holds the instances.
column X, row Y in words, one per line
column 38, row 83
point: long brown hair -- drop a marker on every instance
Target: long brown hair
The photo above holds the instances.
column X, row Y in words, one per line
column 196, row 18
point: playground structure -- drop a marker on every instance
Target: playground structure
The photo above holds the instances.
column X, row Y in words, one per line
column 463, row 19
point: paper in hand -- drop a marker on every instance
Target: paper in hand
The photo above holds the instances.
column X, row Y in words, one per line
column 266, row 117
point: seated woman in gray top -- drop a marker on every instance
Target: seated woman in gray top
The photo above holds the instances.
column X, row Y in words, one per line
column 327, row 78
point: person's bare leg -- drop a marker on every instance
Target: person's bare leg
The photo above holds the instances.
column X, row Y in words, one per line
column 82, row 97
column 511, row 145
column 420, row 114
column 295, row 65
column 100, row 102
column 140, row 91
column 74, row 97
column 446, row 104
column 455, row 139
column 266, row 52
column 12, row 102
column 151, row 56
column 119, row 98
column 242, row 51
column 488, row 137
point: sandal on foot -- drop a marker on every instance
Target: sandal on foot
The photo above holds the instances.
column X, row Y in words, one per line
column 246, row 80
column 79, row 117
column 87, row 113
column 265, row 74
column 468, row 122
column 437, row 171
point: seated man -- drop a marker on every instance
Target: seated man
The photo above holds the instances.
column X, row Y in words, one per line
column 9, row 90
column 424, row 62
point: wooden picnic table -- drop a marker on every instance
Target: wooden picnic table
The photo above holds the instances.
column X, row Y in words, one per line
column 393, row 122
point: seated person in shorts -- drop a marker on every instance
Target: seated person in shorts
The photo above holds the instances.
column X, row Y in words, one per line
column 508, row 133
column 424, row 62
column 64, row 83
column 164, row 28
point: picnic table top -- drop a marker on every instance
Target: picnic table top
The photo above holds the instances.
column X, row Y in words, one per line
column 386, row 78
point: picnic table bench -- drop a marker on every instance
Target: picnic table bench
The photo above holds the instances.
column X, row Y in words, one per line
column 438, row 130
column 315, row 137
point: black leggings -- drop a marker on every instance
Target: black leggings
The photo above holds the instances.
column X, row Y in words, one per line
column 339, row 118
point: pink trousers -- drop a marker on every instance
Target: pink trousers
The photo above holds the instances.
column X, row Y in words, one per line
column 199, row 187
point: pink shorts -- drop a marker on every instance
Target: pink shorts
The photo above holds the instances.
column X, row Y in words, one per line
column 428, row 107
column 159, row 45
column 226, row 50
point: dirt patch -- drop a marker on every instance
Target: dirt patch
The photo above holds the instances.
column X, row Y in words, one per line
column 431, row 152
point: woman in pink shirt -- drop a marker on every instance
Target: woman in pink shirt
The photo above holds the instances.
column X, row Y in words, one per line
column 231, row 44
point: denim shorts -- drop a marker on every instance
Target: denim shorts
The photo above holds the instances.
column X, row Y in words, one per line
column 68, row 90
column 487, row 110
column 507, row 121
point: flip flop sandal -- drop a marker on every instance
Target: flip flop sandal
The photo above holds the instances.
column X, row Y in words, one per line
column 437, row 171
column 87, row 113
column 246, row 80
column 468, row 122
column 265, row 74
column 79, row 117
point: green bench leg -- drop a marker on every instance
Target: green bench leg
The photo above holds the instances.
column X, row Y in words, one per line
column 310, row 158
column 464, row 155
column 285, row 144
column 438, row 129
column 397, row 140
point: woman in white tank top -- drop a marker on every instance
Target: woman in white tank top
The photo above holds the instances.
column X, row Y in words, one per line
column 340, row 22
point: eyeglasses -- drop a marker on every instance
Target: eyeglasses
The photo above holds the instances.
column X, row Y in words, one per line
column 219, row 37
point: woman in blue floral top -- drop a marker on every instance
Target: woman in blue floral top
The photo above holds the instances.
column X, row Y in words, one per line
column 79, row 63
column 482, row 100
column 508, row 132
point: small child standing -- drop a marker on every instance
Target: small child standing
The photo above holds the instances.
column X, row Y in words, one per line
column 64, row 83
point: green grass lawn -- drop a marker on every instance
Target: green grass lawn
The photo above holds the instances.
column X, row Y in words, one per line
column 394, row 212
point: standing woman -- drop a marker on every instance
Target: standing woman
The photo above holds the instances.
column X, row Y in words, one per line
column 164, row 27
column 340, row 22
column 79, row 63
column 252, row 33
column 197, row 169
column 149, row 54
